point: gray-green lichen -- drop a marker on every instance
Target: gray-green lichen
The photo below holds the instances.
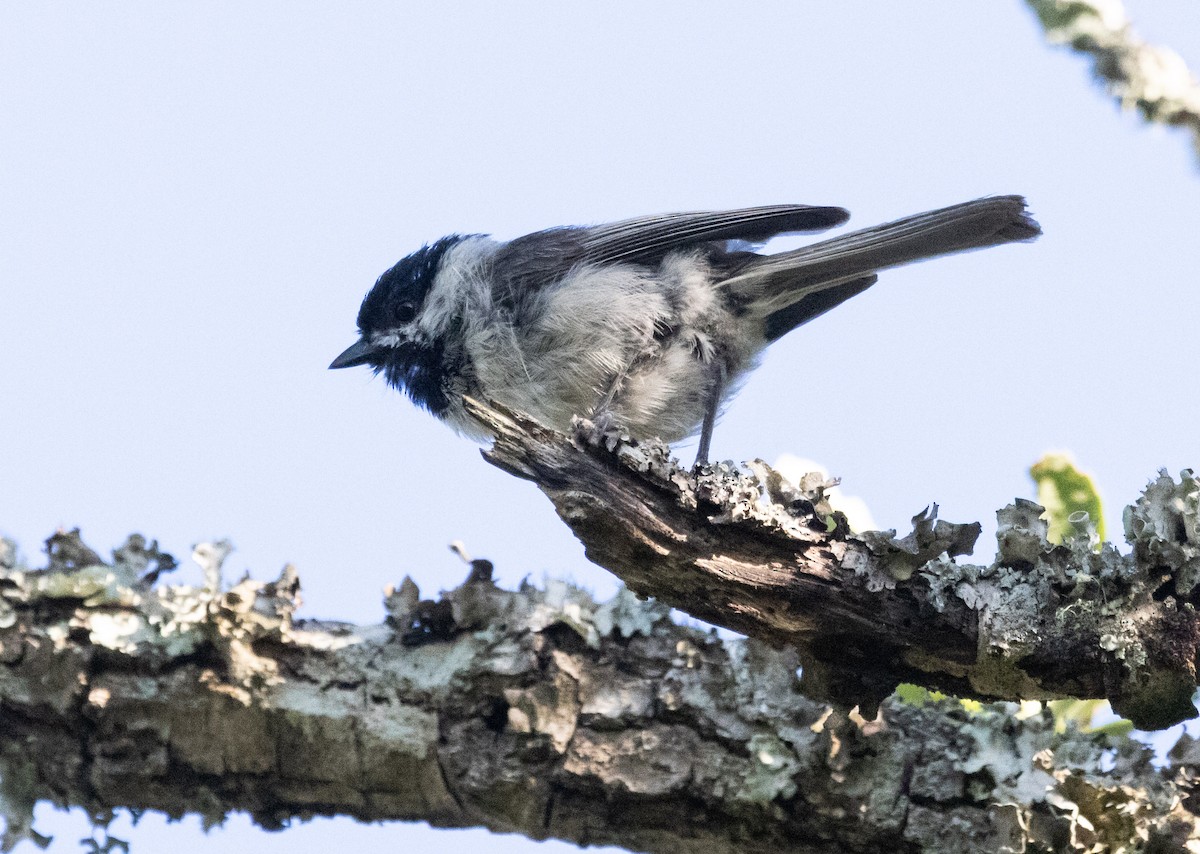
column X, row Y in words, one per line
column 932, row 540
column 737, row 546
column 239, row 644
column 755, row 492
column 1036, row 591
column 537, row 711
column 1165, row 528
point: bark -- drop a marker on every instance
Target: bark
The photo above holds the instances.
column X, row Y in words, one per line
column 743, row 549
column 532, row 711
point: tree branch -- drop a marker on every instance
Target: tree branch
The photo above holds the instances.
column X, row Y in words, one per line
column 744, row 550
column 1154, row 80
column 535, row 711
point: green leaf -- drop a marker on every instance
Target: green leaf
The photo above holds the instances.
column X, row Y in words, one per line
column 1070, row 497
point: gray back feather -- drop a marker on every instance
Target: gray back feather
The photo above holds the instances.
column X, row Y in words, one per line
column 537, row 259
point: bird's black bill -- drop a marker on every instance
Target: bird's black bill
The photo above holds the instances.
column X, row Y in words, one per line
column 358, row 353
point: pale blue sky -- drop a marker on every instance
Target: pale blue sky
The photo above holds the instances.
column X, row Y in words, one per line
column 193, row 200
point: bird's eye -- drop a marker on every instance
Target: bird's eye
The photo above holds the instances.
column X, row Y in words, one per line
column 405, row 311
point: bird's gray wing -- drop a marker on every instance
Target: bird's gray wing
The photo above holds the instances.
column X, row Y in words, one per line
column 545, row 256
column 647, row 239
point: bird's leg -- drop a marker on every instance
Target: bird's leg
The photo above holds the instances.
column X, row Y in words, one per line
column 605, row 402
column 710, row 414
column 601, row 415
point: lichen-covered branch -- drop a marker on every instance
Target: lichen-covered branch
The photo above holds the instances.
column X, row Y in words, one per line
column 742, row 549
column 533, row 711
column 1154, row 80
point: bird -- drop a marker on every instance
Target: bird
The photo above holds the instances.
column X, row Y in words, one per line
column 648, row 324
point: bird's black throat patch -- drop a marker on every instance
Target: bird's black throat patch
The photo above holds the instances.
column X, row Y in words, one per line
column 420, row 371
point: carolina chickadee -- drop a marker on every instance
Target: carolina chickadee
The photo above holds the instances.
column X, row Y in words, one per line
column 648, row 323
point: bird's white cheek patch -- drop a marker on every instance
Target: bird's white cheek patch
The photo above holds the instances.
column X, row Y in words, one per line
column 390, row 338
column 460, row 282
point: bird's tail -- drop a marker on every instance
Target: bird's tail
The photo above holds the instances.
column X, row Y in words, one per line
column 776, row 282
